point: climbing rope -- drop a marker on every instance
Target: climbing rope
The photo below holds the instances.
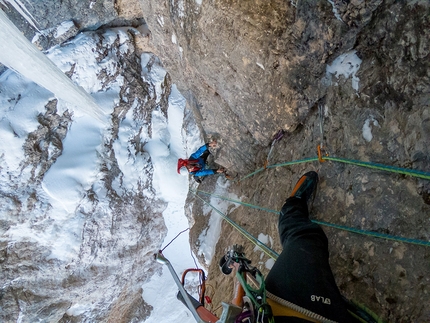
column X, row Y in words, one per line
column 391, row 169
column 328, row 224
column 175, row 239
column 271, row 253
column 268, row 251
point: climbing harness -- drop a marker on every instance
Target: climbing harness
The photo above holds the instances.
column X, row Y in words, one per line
column 236, row 255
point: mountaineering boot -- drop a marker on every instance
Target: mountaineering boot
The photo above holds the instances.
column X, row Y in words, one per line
column 306, row 187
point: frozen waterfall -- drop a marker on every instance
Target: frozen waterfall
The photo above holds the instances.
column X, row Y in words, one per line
column 22, row 56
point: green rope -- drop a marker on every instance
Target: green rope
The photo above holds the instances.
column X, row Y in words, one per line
column 391, row 169
column 271, row 253
column 235, row 201
column 375, row 234
column 337, row 226
column 268, row 251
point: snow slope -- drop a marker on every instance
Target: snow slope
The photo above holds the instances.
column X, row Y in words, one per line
column 59, row 221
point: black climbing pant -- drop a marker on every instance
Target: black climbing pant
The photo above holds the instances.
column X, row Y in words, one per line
column 302, row 274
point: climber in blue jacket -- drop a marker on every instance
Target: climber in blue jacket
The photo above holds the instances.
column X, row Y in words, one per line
column 196, row 164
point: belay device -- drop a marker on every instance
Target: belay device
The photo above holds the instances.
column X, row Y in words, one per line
column 248, row 305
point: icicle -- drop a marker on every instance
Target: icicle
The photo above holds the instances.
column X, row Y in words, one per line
column 22, row 56
column 20, row 7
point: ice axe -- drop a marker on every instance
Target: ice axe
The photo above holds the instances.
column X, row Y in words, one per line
column 277, row 137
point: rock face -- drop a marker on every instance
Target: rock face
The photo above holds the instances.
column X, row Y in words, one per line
column 263, row 66
column 250, row 68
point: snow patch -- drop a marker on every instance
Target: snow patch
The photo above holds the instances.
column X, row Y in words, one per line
column 367, row 128
column 64, row 28
column 181, row 8
column 268, row 241
column 77, row 165
column 260, row 66
column 131, row 161
column 74, row 172
column 264, row 238
column 77, row 309
column 269, row 263
column 20, row 103
column 156, row 73
column 347, row 65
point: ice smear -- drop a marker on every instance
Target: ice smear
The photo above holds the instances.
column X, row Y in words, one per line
column 347, row 65
column 160, row 20
column 20, row 7
column 335, row 11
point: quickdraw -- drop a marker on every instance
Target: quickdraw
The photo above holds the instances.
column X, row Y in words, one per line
column 277, row 137
column 258, row 310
